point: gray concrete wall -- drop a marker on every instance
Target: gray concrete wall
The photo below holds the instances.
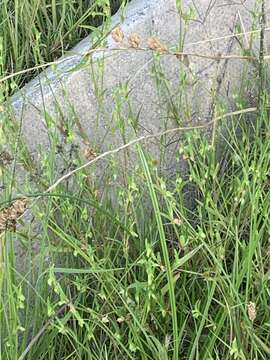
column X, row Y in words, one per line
column 208, row 32
column 184, row 93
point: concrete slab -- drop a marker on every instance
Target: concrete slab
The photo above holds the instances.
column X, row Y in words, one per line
column 93, row 90
column 107, row 93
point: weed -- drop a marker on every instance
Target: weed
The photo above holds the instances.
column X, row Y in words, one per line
column 130, row 264
column 39, row 31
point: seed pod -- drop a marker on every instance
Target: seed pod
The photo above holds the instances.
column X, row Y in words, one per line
column 10, row 215
column 134, row 40
column 118, row 35
column 89, row 153
column 252, row 311
column 154, row 44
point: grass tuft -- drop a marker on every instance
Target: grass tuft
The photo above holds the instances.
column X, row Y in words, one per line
column 131, row 265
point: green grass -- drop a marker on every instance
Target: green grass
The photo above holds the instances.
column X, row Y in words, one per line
column 151, row 282
column 34, row 32
column 138, row 266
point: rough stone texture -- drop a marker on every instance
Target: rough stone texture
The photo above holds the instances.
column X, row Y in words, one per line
column 209, row 32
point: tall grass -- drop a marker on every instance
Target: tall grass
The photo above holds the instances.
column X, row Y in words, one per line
column 34, row 32
column 152, row 282
column 137, row 266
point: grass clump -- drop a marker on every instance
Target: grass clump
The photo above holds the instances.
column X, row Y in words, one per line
column 34, row 32
column 155, row 281
column 132, row 265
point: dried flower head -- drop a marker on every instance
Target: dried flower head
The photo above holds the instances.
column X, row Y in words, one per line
column 177, row 221
column 154, row 44
column 118, row 35
column 19, row 206
column 89, row 153
column 5, row 158
column 10, row 215
column 252, row 311
column 134, row 40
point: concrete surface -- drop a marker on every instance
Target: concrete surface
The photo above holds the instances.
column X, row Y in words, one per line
column 74, row 90
column 159, row 95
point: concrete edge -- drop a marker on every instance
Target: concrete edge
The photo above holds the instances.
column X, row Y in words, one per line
column 54, row 74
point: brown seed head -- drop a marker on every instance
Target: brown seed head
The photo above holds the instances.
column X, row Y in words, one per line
column 134, row 40
column 89, row 153
column 252, row 311
column 10, row 215
column 154, row 44
column 5, row 158
column 19, row 206
column 118, row 35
